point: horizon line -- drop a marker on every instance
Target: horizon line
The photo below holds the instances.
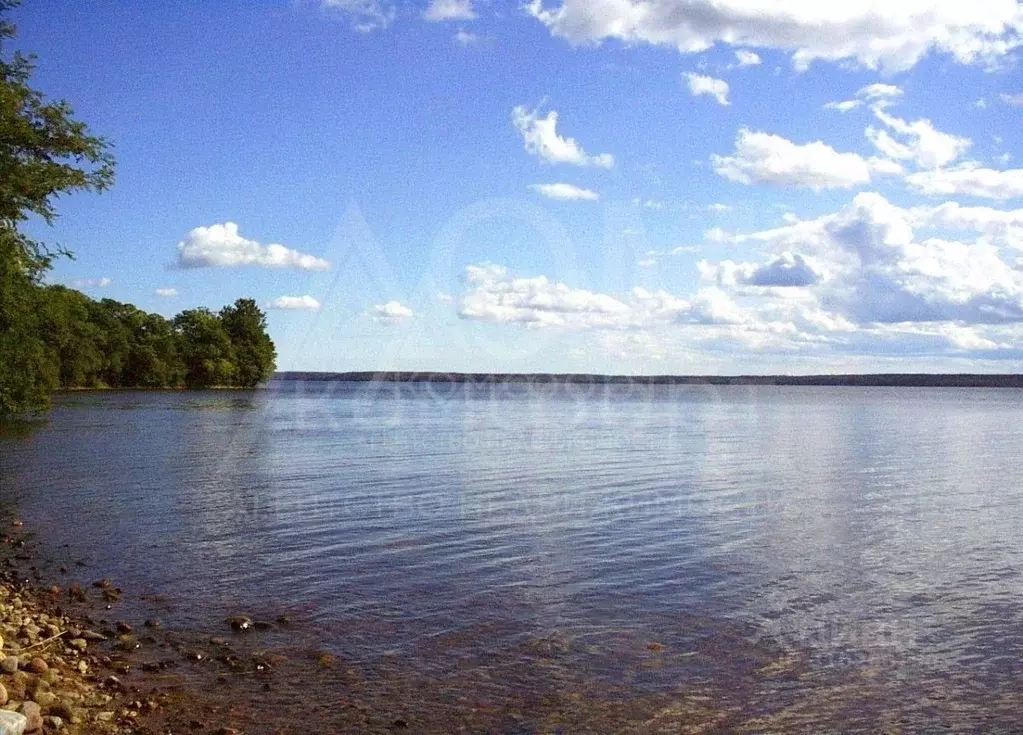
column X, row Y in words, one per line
column 952, row 380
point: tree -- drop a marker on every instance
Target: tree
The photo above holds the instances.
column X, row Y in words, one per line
column 206, row 349
column 254, row 351
column 27, row 367
column 44, row 152
column 74, row 339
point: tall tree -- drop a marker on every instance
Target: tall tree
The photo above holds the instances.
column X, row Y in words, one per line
column 206, row 349
column 254, row 351
column 44, row 152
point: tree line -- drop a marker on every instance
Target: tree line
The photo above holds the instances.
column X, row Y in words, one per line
column 54, row 337
column 108, row 344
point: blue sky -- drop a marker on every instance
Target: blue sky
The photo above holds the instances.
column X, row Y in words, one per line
column 627, row 186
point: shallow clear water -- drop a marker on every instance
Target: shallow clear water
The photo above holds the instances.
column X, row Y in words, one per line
column 871, row 536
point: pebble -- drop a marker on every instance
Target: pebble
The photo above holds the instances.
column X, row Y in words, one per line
column 45, row 699
column 9, row 665
column 80, row 643
column 3, row 695
column 33, row 714
column 37, row 666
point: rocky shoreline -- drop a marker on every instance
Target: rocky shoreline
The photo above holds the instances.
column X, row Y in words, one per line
column 55, row 673
column 74, row 661
column 69, row 664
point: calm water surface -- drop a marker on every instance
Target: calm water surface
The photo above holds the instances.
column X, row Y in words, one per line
column 810, row 557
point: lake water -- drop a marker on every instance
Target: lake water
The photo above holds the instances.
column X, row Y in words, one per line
column 744, row 558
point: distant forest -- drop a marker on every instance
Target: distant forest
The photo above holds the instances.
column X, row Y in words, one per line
column 107, row 344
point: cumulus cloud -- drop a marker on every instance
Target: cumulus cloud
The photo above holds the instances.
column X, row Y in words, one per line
column 365, row 15
column 891, row 36
column 444, row 10
column 565, row 192
column 745, row 57
column 91, row 282
column 466, row 38
column 971, row 180
column 766, row 158
column 542, row 140
column 1013, row 100
column 917, row 141
column 390, row 313
column 787, row 270
column 295, row 303
column 221, row 246
column 700, row 84
column 869, row 266
column 1001, row 227
column 539, row 302
column 166, row 293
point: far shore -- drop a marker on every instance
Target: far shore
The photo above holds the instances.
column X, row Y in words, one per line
column 920, row 380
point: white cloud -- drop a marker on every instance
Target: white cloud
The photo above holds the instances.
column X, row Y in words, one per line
column 365, row 15
column 700, row 84
column 542, row 140
column 745, row 57
column 221, row 246
column 878, row 35
column 869, row 267
column 565, row 192
column 295, row 303
column 765, row 158
column 1013, row 100
column 539, row 302
column 1001, row 227
column 91, row 282
column 443, row 10
column 917, row 141
column 534, row 301
column 466, row 38
column 981, row 104
column 881, row 95
column 786, row 270
column 166, row 293
column 390, row 313
column 844, row 106
column 719, row 207
column 879, row 91
column 970, row 180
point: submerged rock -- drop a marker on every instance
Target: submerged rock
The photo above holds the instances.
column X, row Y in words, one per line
column 240, row 623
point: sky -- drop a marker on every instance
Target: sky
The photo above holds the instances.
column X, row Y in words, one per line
column 612, row 186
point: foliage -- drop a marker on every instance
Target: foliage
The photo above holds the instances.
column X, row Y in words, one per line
column 44, row 152
column 55, row 337
column 108, row 344
column 254, row 351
